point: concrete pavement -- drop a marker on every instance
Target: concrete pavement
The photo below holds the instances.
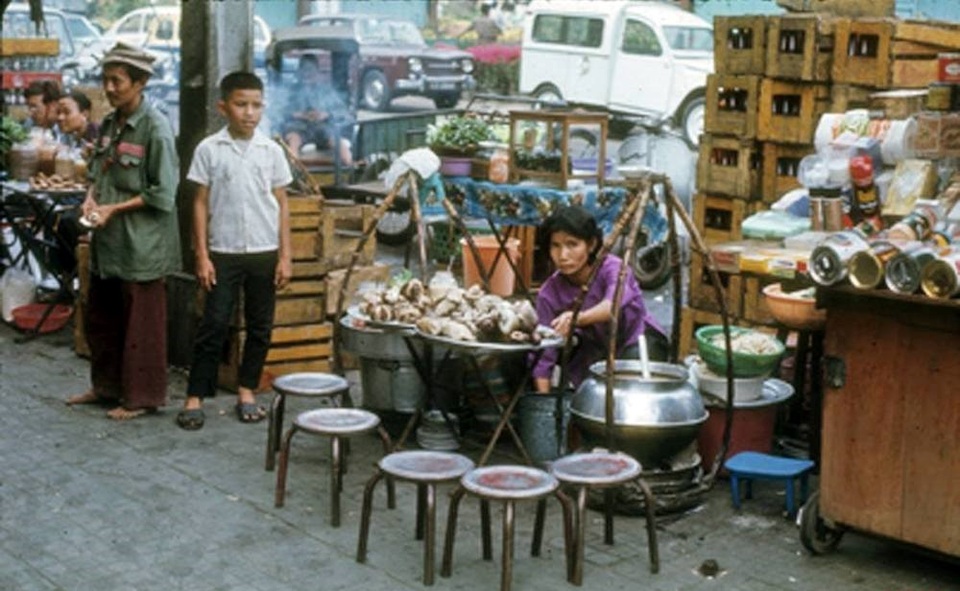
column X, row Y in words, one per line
column 90, row 504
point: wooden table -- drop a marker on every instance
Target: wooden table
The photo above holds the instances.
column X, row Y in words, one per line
column 891, row 416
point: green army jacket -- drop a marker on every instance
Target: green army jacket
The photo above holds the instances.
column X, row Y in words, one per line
column 137, row 158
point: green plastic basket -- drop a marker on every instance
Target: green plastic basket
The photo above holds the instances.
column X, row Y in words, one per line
column 445, row 241
column 745, row 365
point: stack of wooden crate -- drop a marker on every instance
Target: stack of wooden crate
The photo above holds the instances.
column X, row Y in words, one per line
column 775, row 77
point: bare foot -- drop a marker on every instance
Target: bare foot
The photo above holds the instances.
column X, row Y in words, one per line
column 88, row 397
column 124, row 414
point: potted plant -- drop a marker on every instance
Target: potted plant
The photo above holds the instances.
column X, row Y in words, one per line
column 456, row 140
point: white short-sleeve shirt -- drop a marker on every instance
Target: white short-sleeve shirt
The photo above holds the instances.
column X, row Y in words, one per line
column 244, row 214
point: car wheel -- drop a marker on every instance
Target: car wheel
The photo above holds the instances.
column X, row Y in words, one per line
column 374, row 91
column 691, row 119
column 447, row 100
column 548, row 93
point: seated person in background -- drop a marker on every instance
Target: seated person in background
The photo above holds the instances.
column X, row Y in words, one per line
column 308, row 111
column 75, row 123
column 574, row 239
column 42, row 98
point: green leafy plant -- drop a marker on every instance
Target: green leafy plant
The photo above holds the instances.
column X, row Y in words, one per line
column 459, row 135
column 11, row 132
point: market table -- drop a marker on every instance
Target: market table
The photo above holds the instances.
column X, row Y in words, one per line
column 890, row 420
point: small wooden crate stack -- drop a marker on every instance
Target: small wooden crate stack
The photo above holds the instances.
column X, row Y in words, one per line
column 775, row 77
column 324, row 235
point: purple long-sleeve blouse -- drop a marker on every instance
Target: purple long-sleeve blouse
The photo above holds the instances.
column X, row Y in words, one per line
column 557, row 295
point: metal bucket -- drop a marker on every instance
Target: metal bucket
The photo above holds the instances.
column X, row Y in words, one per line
column 537, row 416
column 390, row 384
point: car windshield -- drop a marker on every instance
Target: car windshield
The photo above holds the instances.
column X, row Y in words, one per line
column 81, row 29
column 689, row 38
column 388, row 32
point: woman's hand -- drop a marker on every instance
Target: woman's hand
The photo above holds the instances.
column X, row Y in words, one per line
column 206, row 273
column 562, row 324
column 283, row 273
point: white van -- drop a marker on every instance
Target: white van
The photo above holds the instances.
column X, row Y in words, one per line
column 634, row 57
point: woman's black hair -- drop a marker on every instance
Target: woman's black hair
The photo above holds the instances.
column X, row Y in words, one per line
column 82, row 100
column 576, row 221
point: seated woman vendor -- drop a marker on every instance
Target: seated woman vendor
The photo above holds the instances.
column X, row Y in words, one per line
column 574, row 239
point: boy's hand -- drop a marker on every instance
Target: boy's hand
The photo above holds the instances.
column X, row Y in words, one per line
column 206, row 273
column 284, row 272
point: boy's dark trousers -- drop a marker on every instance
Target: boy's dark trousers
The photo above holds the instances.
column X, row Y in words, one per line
column 253, row 273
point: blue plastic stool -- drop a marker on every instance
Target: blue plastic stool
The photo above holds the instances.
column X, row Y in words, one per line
column 751, row 465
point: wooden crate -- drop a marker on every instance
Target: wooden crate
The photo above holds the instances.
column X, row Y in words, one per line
column 739, row 44
column 340, row 231
column 690, row 320
column 306, row 347
column 790, row 111
column 899, row 104
column 844, row 97
column 11, row 47
column 755, row 308
column 800, row 47
column 334, row 280
column 732, row 105
column 891, row 53
column 781, row 162
column 857, row 8
column 719, row 218
column 702, row 294
column 729, row 166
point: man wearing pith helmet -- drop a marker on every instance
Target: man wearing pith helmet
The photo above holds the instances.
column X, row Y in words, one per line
column 134, row 244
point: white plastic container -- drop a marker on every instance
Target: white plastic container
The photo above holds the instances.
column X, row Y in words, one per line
column 715, row 385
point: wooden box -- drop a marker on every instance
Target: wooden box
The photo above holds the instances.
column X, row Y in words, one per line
column 891, row 53
column 800, row 47
column 306, row 347
column 790, row 111
column 702, row 293
column 377, row 273
column 341, row 229
column 739, row 44
column 844, row 97
column 732, row 105
column 718, row 219
column 781, row 162
column 729, row 166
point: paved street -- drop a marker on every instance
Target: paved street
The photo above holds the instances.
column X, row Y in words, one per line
column 90, row 504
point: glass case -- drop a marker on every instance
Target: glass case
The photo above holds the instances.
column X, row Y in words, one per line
column 554, row 147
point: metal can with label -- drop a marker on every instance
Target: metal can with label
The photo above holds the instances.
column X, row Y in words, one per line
column 916, row 225
column 866, row 267
column 941, row 277
column 902, row 274
column 829, row 259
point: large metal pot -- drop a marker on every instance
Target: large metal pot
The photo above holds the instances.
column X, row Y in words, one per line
column 653, row 419
column 374, row 343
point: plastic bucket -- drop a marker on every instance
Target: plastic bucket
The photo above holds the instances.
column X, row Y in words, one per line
column 502, row 277
column 537, row 415
column 455, row 166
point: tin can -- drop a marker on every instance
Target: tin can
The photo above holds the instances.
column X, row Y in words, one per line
column 940, row 96
column 829, row 259
column 948, row 67
column 833, row 214
column 866, row 267
column 940, row 277
column 902, row 274
column 916, row 225
column 816, row 214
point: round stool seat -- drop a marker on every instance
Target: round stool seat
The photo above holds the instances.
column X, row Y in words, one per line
column 311, row 384
column 426, row 466
column 337, row 421
column 509, row 482
column 596, row 468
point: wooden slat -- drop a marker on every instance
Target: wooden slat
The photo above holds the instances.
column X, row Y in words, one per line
column 302, row 332
column 943, row 34
column 303, row 287
column 10, row 47
column 299, row 352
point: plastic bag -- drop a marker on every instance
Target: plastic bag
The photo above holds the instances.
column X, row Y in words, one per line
column 18, row 289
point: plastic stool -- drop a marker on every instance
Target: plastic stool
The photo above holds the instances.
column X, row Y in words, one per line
column 304, row 384
column 750, row 465
column 426, row 469
column 335, row 423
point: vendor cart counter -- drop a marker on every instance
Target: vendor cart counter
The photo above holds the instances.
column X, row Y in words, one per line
column 891, row 416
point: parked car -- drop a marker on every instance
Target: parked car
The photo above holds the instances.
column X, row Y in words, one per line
column 17, row 24
column 396, row 61
column 639, row 58
column 158, row 28
column 90, row 43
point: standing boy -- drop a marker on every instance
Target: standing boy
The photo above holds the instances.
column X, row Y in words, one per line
column 241, row 237
column 135, row 243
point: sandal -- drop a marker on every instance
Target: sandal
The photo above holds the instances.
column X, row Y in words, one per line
column 190, row 419
column 249, row 412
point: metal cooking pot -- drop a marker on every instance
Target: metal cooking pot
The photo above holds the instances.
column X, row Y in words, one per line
column 374, row 343
column 653, row 418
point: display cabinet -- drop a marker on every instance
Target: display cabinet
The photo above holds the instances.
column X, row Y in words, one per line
column 542, row 147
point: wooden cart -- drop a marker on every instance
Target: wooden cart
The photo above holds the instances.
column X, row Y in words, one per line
column 891, row 422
